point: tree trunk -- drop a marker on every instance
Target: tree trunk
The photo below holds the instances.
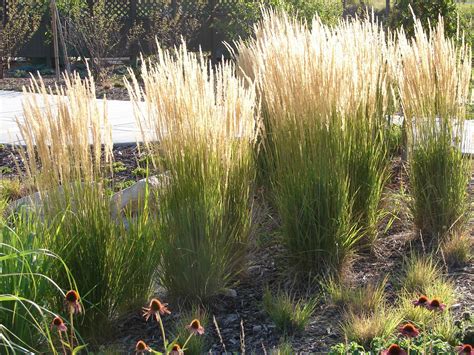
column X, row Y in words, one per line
column 1, row 67
column 387, row 8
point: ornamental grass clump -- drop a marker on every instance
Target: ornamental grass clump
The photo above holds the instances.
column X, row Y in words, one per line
column 203, row 124
column 433, row 86
column 67, row 136
column 325, row 94
column 67, row 154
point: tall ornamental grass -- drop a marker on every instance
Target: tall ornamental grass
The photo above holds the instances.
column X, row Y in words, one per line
column 433, row 80
column 67, row 136
column 325, row 93
column 203, row 124
column 68, row 151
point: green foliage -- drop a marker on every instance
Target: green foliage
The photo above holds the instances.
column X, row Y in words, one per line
column 205, row 223
column 457, row 250
column 114, row 261
column 311, row 190
column 10, row 189
column 364, row 328
column 439, row 176
column 367, row 167
column 358, row 300
column 118, row 167
column 289, row 314
column 427, row 12
column 394, row 139
column 197, row 345
column 424, row 344
column 419, row 272
column 29, row 286
column 5, row 170
column 169, row 25
column 329, row 11
column 23, row 20
column 347, row 348
column 235, row 19
column 466, row 19
column 123, row 185
column 139, row 172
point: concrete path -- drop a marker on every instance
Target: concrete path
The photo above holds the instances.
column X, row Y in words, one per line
column 120, row 113
column 124, row 128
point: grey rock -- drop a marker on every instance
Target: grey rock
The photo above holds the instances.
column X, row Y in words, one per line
column 229, row 292
column 133, row 197
column 231, row 318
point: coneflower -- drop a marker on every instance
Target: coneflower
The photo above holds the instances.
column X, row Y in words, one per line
column 176, row 350
column 409, row 330
column 58, row 324
column 436, row 305
column 72, row 302
column 393, row 349
column 422, row 301
column 465, row 349
column 195, row 327
column 155, row 309
column 141, row 347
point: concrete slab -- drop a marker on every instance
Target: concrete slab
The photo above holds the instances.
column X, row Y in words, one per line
column 124, row 127
column 120, row 113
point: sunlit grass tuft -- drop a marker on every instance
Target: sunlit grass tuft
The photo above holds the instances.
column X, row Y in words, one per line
column 357, row 300
column 419, row 272
column 202, row 123
column 364, row 328
column 290, row 315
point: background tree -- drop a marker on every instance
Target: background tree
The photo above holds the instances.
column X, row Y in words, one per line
column 169, row 24
column 17, row 26
column 427, row 12
column 94, row 33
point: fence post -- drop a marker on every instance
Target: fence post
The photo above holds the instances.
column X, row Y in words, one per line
column 4, row 21
column 54, row 27
column 133, row 18
column 212, row 5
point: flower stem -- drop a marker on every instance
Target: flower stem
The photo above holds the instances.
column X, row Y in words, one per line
column 162, row 333
column 62, row 342
column 71, row 317
column 187, row 340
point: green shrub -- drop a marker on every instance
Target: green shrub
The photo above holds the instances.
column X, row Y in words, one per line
column 427, row 12
column 289, row 314
column 329, row 11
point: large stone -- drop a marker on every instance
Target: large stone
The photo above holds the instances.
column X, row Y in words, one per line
column 133, row 197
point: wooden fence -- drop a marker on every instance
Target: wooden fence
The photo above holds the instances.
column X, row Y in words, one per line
column 129, row 12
